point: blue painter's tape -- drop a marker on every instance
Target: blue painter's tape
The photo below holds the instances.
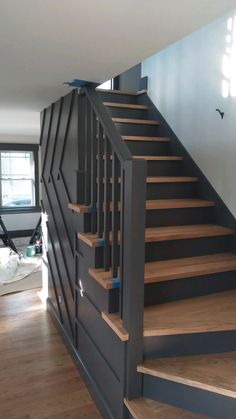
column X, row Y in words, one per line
column 80, row 83
column 90, row 210
column 115, row 282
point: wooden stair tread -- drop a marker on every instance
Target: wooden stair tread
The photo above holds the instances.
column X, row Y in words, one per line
column 186, row 231
column 211, row 372
column 171, row 269
column 121, row 92
column 168, row 270
column 208, row 313
column 124, row 105
column 144, row 138
column 80, row 208
column 171, row 179
column 168, row 179
column 153, row 158
column 159, row 204
column 143, row 408
column 156, row 204
column 135, row 121
column 157, row 234
column 117, row 327
column 159, row 158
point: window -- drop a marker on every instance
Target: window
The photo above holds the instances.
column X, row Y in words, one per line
column 18, row 177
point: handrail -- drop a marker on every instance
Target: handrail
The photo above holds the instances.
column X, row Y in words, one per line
column 109, row 128
column 113, row 187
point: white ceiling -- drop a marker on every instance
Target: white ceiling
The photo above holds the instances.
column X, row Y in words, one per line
column 46, row 42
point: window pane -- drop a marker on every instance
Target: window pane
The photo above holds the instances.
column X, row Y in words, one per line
column 17, row 178
column 17, row 164
column 17, row 193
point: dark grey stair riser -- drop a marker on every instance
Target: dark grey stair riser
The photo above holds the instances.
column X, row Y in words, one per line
column 126, row 113
column 165, row 168
column 197, row 400
column 148, row 148
column 113, row 97
column 167, row 217
column 189, row 344
column 179, row 289
column 172, row 190
column 179, row 216
column 184, row 248
column 169, row 249
column 137, row 129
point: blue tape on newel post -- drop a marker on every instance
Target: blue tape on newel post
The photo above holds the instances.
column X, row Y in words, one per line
column 101, row 242
column 77, row 83
column 115, row 282
column 90, row 209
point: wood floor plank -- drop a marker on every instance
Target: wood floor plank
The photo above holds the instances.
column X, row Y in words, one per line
column 143, row 408
column 212, row 372
column 38, row 377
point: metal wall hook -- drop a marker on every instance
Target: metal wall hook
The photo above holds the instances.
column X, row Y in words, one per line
column 221, row 113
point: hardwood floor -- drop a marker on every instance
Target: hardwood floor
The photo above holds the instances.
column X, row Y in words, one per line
column 38, row 379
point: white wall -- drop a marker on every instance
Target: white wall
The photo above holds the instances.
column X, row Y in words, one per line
column 19, row 139
column 26, row 221
column 185, row 83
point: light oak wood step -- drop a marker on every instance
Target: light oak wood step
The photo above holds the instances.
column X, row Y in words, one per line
column 172, row 269
column 142, row 138
column 153, row 158
column 135, row 121
column 157, row 234
column 171, row 179
column 209, row 313
column 156, row 204
column 122, row 92
column 125, row 105
column 161, row 204
column 159, row 158
column 143, row 408
column 213, row 372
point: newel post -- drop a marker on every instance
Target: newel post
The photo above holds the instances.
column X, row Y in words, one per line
column 133, row 269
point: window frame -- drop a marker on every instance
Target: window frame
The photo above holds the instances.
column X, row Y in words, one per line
column 34, row 148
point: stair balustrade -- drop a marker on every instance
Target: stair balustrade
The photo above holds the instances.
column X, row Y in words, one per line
column 112, row 185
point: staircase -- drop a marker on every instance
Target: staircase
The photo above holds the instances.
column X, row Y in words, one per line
column 185, row 364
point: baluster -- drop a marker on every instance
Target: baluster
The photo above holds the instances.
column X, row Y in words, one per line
column 93, row 173
column 121, row 238
column 100, row 181
column 87, row 153
column 107, row 182
column 115, row 217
